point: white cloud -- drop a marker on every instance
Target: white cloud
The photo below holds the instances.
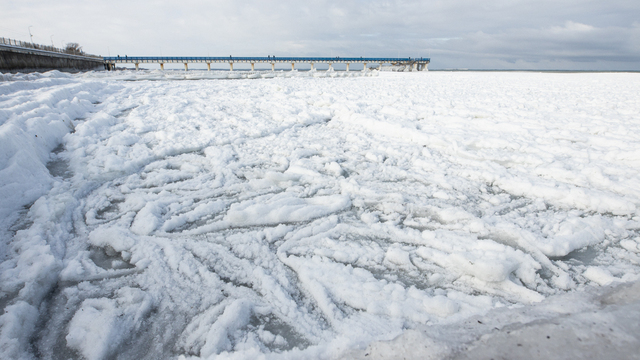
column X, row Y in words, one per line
column 574, row 27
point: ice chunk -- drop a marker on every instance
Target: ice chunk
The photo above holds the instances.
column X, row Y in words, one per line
column 147, row 219
column 599, row 275
column 117, row 238
column 101, row 325
column 284, row 209
column 234, row 317
column 573, row 234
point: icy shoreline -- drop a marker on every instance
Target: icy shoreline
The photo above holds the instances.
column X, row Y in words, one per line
column 305, row 216
column 172, row 75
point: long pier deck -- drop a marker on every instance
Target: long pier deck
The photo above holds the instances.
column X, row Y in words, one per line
column 414, row 64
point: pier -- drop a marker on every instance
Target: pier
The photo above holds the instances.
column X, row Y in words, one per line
column 412, row 64
column 19, row 55
column 16, row 55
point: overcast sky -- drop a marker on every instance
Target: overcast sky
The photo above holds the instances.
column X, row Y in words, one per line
column 490, row 34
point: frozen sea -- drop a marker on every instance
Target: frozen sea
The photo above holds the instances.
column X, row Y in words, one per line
column 158, row 215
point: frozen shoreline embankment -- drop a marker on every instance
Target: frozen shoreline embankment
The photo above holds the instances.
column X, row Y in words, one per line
column 600, row 323
column 14, row 58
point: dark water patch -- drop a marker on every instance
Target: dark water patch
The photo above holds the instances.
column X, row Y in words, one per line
column 58, row 165
column 112, row 208
column 406, row 280
column 154, row 339
column 49, row 340
column 108, row 259
column 192, row 225
column 22, row 224
column 58, row 149
column 582, row 256
column 233, row 280
column 546, row 274
column 23, row 221
column 7, row 299
column 287, row 337
column 125, row 112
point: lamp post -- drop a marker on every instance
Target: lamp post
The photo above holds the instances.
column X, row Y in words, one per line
column 29, row 28
column 52, row 41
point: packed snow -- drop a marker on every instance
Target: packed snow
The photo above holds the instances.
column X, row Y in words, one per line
column 279, row 215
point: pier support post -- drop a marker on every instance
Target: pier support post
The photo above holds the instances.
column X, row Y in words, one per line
column 364, row 67
column 293, row 66
column 208, row 66
column 273, row 67
column 347, row 66
column 136, row 66
column 186, row 67
column 230, row 66
column 161, row 66
column 311, row 66
column 415, row 67
column 253, row 68
column 330, row 67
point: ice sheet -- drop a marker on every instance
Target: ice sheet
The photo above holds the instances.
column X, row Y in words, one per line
column 304, row 215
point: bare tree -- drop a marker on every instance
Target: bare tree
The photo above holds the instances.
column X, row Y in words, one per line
column 74, row 49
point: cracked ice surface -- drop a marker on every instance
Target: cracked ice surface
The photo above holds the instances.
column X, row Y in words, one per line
column 303, row 216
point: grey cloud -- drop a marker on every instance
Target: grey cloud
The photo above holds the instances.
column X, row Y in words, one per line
column 573, row 42
column 470, row 34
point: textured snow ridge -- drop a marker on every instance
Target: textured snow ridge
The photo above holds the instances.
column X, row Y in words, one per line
column 306, row 215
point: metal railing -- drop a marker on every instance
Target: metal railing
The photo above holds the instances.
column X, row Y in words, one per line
column 142, row 59
column 29, row 45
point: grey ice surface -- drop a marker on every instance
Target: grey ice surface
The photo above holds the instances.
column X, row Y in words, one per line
column 603, row 324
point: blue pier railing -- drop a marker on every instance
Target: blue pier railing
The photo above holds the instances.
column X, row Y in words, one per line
column 417, row 64
column 260, row 59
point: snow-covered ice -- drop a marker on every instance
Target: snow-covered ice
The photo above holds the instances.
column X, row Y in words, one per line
column 150, row 214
